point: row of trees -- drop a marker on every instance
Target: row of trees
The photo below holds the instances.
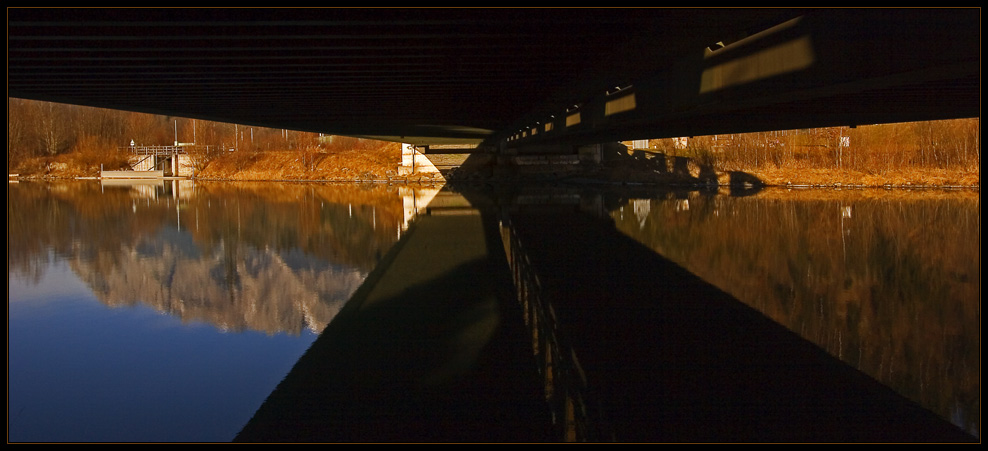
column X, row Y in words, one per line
column 947, row 144
column 45, row 130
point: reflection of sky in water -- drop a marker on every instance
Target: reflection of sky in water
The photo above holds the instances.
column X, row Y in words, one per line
column 86, row 372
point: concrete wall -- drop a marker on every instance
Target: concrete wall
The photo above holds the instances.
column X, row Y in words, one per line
column 413, row 161
column 182, row 167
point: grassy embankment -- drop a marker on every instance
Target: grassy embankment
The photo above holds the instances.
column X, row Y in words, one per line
column 931, row 153
column 945, row 153
column 360, row 162
column 382, row 165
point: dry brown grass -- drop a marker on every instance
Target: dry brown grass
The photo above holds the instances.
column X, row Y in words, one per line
column 379, row 163
column 903, row 177
column 367, row 160
column 931, row 153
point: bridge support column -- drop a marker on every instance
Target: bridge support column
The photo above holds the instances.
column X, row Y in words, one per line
column 413, row 160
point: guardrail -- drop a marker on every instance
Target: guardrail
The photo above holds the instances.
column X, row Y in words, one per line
column 154, row 150
column 163, row 150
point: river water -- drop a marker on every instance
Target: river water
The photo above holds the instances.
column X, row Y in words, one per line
column 170, row 311
column 887, row 281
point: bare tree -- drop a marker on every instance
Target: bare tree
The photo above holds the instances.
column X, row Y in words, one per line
column 50, row 120
column 200, row 156
column 17, row 133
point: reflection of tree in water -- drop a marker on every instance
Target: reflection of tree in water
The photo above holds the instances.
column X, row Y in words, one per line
column 350, row 224
column 275, row 258
column 889, row 283
column 43, row 218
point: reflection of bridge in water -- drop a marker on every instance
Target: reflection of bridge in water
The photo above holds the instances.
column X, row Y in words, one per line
column 499, row 334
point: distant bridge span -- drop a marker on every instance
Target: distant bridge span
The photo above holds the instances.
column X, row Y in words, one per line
column 506, row 77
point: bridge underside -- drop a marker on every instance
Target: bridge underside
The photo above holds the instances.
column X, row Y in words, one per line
column 437, row 77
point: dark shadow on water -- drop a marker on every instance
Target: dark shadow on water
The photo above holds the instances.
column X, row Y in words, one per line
column 659, row 355
column 430, row 349
column 671, row 358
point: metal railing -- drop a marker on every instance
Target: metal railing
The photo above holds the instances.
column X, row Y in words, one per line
column 165, row 150
column 566, row 392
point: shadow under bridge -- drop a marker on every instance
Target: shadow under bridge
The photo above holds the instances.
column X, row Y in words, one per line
column 496, row 318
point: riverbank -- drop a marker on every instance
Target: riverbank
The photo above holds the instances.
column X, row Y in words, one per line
column 637, row 171
column 837, row 177
column 349, row 165
column 381, row 165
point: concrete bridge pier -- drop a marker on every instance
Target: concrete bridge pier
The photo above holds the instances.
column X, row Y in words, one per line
column 413, row 160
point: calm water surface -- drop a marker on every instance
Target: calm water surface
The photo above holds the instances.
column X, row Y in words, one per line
column 887, row 281
column 170, row 312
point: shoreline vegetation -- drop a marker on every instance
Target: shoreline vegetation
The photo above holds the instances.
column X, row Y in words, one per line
column 282, row 166
column 379, row 165
column 55, row 141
